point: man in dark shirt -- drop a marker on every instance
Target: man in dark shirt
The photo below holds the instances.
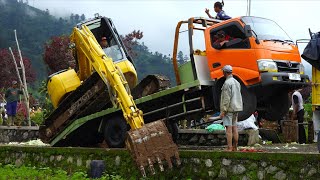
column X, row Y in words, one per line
column 221, row 15
column 12, row 98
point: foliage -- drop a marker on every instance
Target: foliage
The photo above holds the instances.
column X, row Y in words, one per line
column 147, row 62
column 58, row 57
column 57, row 54
column 8, row 70
column 130, row 40
column 308, row 109
column 34, row 27
column 37, row 116
column 46, row 104
column 24, row 172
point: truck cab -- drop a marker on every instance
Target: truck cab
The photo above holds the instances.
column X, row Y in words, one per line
column 265, row 61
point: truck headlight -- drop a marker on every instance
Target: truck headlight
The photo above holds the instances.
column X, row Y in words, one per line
column 267, row 65
column 301, row 68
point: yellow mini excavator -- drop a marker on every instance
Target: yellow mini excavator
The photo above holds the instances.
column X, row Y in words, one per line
column 148, row 143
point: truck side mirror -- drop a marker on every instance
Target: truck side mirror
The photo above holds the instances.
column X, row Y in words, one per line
column 247, row 31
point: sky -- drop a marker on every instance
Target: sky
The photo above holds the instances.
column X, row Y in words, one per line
column 158, row 18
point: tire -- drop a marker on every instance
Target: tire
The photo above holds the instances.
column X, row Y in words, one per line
column 249, row 101
column 277, row 107
column 115, row 132
column 173, row 130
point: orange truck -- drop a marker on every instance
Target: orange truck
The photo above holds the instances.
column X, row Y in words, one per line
column 265, row 61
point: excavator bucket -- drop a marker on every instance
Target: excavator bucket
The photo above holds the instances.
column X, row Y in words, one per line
column 152, row 144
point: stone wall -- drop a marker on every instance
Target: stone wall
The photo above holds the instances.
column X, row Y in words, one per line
column 195, row 164
column 18, row 133
column 201, row 137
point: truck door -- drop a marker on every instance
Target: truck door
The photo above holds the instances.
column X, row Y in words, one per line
column 238, row 52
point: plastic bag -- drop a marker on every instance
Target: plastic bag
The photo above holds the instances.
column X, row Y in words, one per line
column 247, row 124
column 312, row 51
column 214, row 127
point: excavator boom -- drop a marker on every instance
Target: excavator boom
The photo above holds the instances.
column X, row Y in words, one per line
column 148, row 144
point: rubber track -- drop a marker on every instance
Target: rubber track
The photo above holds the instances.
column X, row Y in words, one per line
column 96, row 103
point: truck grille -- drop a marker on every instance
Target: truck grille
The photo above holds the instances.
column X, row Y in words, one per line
column 287, row 66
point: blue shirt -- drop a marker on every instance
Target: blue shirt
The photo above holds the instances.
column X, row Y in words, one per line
column 222, row 15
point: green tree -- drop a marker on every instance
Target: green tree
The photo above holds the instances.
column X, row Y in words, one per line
column 180, row 58
column 83, row 17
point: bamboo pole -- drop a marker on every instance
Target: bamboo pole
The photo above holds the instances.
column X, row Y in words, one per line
column 18, row 74
column 24, row 81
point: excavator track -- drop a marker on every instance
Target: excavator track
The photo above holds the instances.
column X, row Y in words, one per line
column 89, row 98
column 150, row 84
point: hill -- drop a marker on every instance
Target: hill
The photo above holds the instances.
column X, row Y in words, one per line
column 34, row 27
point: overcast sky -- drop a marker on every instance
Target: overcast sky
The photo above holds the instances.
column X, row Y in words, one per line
column 158, row 18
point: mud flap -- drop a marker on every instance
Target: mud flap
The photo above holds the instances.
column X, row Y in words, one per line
column 152, row 144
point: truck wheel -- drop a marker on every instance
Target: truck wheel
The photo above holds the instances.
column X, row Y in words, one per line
column 249, row 101
column 173, row 130
column 277, row 107
column 115, row 132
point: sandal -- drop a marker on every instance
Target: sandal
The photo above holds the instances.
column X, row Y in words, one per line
column 229, row 149
column 235, row 148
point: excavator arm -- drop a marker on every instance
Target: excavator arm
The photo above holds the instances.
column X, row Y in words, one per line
column 148, row 144
column 88, row 47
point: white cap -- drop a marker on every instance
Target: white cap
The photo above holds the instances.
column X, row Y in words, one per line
column 227, row 68
column 14, row 82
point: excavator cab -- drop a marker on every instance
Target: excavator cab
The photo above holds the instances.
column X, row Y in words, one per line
column 64, row 82
column 103, row 27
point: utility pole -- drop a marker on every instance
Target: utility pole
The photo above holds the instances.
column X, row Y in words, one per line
column 248, row 7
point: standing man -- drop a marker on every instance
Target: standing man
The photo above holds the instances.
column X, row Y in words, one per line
column 230, row 105
column 12, row 97
column 221, row 15
column 298, row 110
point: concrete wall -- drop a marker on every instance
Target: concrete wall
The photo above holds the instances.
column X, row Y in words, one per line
column 195, row 164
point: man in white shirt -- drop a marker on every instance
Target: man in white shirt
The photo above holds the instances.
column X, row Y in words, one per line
column 298, row 110
column 230, row 105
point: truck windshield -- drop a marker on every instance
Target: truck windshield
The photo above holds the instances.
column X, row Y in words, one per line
column 266, row 29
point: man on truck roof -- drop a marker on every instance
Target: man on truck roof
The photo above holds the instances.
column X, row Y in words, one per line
column 230, row 105
column 218, row 9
